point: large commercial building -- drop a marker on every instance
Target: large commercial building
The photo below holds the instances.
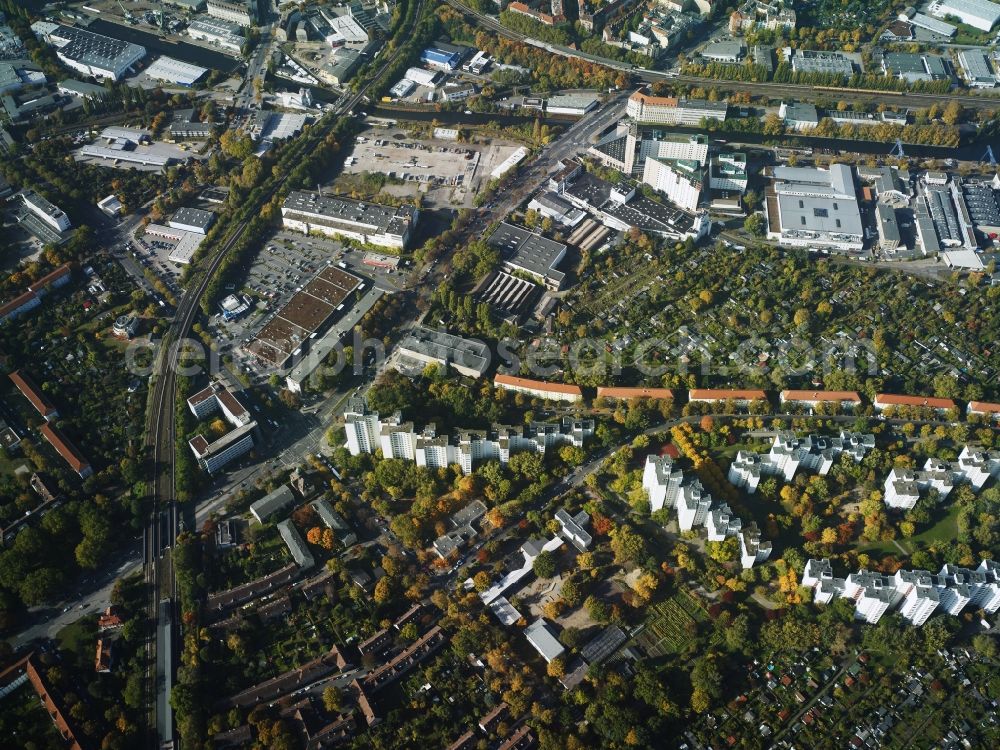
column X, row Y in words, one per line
column 91, row 54
column 242, row 12
column 465, row 356
column 809, row 207
column 218, row 31
column 977, row 68
column 816, row 61
column 51, row 214
column 306, row 313
column 980, row 14
column 213, row 456
column 192, row 220
column 527, row 252
column 421, row 76
column 667, row 110
column 620, row 207
column 370, row 223
column 175, row 71
column 443, row 56
column 915, row 67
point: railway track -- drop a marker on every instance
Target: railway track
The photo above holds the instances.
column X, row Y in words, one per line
column 771, row 88
column 162, row 527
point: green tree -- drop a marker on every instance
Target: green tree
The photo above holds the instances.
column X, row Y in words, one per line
column 756, row 225
column 544, row 565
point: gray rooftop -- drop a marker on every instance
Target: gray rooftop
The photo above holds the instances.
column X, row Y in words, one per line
column 388, row 219
column 529, row 251
column 540, row 636
column 194, row 217
column 447, row 348
column 94, row 49
column 273, row 502
column 296, row 544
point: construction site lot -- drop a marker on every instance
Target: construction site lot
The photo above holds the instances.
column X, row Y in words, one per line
column 444, row 172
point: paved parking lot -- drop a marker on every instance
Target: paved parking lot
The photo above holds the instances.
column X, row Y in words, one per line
column 446, row 172
column 285, row 264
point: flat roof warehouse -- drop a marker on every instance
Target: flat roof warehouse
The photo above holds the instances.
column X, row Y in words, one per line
column 386, row 219
column 303, row 315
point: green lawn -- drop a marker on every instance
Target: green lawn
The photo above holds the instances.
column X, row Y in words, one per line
column 944, row 530
column 78, row 639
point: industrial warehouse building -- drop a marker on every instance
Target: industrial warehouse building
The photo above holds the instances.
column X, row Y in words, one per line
column 980, row 14
column 192, row 220
column 371, row 223
column 225, row 34
column 527, row 252
column 91, row 54
column 809, row 207
column 174, row 71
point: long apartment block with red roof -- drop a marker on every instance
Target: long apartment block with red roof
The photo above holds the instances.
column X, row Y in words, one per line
column 539, row 388
column 69, row 452
column 984, row 408
column 885, row 401
column 30, row 390
column 630, row 394
column 740, row 396
column 844, row 399
column 31, row 298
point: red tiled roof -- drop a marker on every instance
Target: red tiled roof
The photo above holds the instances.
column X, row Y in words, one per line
column 65, row 448
column 50, row 277
column 984, row 406
column 627, row 393
column 537, row 385
column 724, row 394
column 821, row 396
column 894, row 399
column 14, row 304
column 33, row 393
column 658, row 101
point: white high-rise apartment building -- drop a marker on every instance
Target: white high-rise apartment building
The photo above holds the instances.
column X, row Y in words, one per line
column 367, row 432
column 362, row 427
column 920, row 594
column 692, row 506
column 873, row 594
column 722, row 523
column 903, row 487
column 752, row 549
column 789, row 452
column 662, row 482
